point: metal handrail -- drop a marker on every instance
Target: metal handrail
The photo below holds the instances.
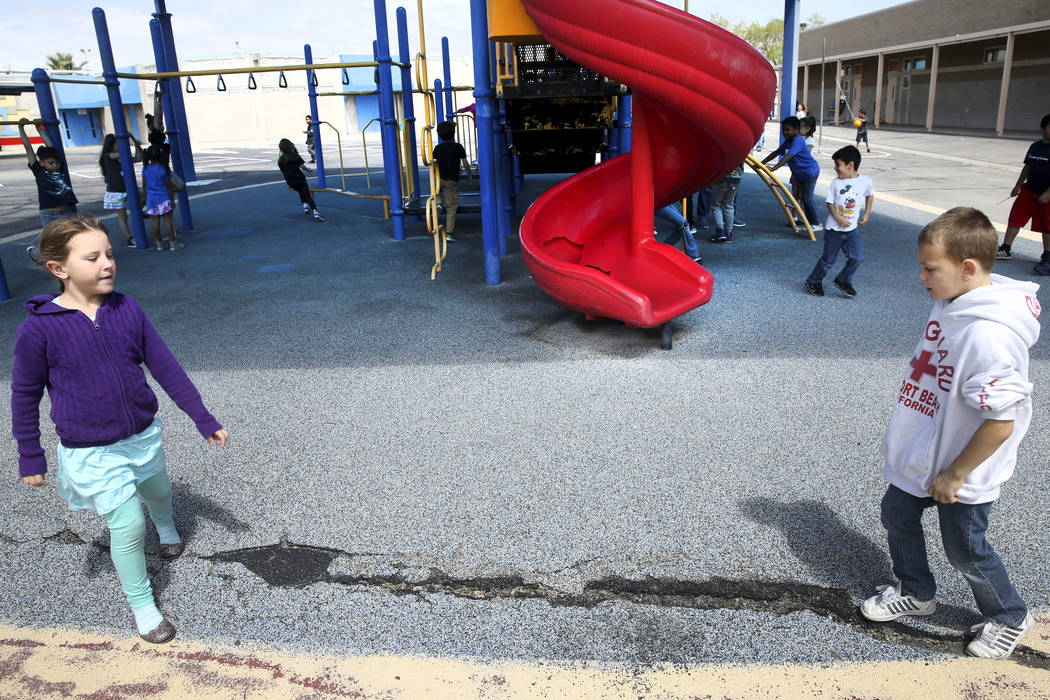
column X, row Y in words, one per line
column 774, row 184
column 253, row 69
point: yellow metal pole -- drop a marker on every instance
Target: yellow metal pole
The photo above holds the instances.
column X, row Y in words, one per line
column 339, row 142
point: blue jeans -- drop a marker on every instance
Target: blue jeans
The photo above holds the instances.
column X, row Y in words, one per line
column 805, row 193
column 963, row 526
column 673, row 213
column 697, row 207
column 834, row 241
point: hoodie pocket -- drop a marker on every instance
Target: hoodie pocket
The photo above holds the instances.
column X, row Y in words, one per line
column 907, row 445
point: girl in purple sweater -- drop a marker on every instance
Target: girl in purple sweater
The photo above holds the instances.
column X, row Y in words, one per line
column 85, row 346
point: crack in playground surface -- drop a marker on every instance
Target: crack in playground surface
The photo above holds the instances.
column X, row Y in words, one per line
column 287, row 565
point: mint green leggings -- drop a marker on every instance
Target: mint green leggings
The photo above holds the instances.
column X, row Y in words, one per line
column 127, row 535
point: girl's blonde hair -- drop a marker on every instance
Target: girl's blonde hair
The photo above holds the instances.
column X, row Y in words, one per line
column 53, row 245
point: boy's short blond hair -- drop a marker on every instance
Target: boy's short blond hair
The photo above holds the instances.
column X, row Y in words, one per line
column 963, row 232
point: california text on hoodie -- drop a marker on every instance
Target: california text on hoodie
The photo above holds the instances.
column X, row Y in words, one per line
column 971, row 365
column 92, row 373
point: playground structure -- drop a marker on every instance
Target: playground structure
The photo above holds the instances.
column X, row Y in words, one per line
column 540, row 107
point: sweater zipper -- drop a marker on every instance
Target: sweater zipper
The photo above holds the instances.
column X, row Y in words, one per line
column 116, row 375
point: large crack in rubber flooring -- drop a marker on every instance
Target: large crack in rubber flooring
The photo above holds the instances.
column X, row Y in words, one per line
column 288, row 565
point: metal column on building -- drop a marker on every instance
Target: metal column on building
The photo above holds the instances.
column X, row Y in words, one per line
column 931, row 104
column 838, row 89
column 879, row 76
column 804, row 98
column 1004, row 89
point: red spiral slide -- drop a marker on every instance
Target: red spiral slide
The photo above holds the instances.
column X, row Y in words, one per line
column 701, row 97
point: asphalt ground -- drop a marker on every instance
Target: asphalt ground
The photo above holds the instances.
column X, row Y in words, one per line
column 463, row 471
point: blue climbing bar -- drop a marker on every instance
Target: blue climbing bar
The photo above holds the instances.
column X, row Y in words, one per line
column 788, row 73
column 407, row 103
column 120, row 127
column 315, row 125
column 446, row 72
column 389, row 121
column 487, row 166
column 439, row 104
column 170, row 87
column 171, row 59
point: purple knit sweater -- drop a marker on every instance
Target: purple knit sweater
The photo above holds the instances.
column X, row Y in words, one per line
column 93, row 376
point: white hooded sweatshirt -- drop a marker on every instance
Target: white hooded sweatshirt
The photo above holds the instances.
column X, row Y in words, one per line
column 971, row 365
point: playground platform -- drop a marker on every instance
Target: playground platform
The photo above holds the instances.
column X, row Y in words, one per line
column 433, row 475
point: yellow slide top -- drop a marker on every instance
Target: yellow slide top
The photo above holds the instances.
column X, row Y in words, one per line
column 509, row 22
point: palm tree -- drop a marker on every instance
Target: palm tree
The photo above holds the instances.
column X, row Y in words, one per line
column 62, row 61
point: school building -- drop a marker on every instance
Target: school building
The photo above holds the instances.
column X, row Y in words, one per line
column 240, row 108
column 933, row 64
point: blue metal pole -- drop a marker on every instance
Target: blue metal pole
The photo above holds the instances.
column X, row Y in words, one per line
column 612, row 148
column 497, row 150
column 438, row 102
column 315, row 124
column 5, row 293
column 386, row 116
column 120, row 127
column 625, row 124
column 788, row 77
column 407, row 102
column 48, row 113
column 446, row 72
column 486, row 109
column 171, row 86
column 189, row 173
column 506, row 177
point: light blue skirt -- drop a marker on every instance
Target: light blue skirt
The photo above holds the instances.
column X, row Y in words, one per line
column 104, row 477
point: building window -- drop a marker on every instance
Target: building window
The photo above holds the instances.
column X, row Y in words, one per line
column 907, row 64
column 996, row 54
column 920, row 63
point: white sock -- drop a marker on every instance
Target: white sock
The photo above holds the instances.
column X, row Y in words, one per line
column 147, row 617
column 168, row 534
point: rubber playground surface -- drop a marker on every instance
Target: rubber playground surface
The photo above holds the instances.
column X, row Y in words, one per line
column 447, row 489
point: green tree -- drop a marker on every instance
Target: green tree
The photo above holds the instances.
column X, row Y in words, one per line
column 62, row 61
column 768, row 38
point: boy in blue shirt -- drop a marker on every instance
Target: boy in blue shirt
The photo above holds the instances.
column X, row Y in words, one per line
column 795, row 154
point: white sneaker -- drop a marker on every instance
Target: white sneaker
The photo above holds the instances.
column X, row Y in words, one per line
column 889, row 604
column 996, row 640
column 176, row 245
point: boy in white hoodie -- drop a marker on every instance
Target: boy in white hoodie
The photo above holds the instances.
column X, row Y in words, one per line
column 951, row 442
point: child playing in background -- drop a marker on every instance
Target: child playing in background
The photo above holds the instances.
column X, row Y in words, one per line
column 849, row 194
column 292, row 167
column 682, row 231
column 804, row 170
column 1033, row 199
column 807, row 125
column 53, row 188
column 157, row 190
column 310, row 137
column 723, row 199
column 862, row 129
column 85, row 346
column 964, row 406
column 116, row 197
column 448, row 155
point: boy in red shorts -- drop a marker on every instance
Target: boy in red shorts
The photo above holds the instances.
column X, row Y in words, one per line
column 1033, row 199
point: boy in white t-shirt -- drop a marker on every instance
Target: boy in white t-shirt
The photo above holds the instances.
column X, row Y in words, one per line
column 848, row 195
column 951, row 443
